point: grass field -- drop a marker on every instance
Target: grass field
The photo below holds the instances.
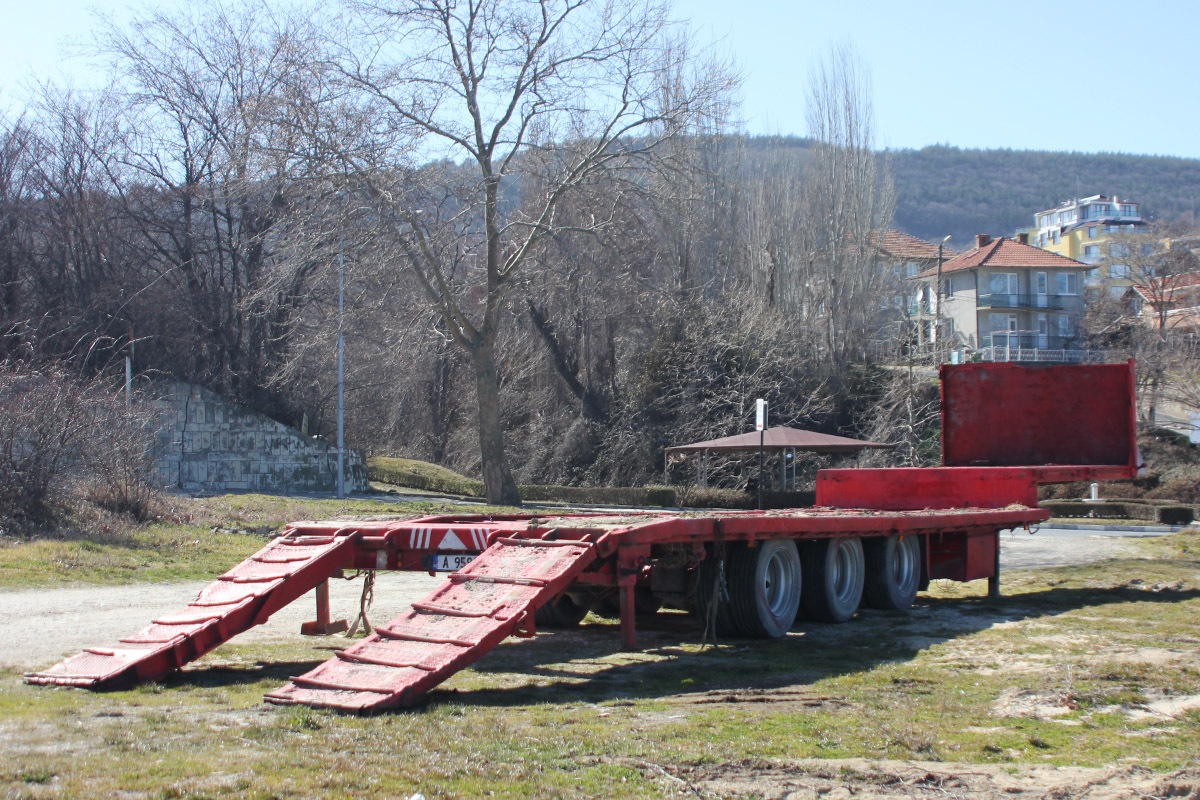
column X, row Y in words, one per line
column 193, row 538
column 1088, row 666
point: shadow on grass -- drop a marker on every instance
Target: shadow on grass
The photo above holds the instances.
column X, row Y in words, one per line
column 666, row 661
column 579, row 664
column 222, row 676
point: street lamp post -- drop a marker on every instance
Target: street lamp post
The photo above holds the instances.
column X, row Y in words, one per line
column 341, row 347
column 937, row 335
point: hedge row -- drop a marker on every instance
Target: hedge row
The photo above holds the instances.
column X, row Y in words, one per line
column 660, row 496
column 418, row 475
column 430, row 478
column 1145, row 512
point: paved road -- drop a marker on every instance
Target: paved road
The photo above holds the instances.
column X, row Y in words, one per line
column 1056, row 547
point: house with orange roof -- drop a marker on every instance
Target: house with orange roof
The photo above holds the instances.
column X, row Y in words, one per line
column 1170, row 303
column 901, row 258
column 1006, row 300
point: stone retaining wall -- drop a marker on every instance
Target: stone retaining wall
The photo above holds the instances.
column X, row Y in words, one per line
column 211, row 444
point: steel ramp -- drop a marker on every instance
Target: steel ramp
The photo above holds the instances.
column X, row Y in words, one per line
column 243, row 597
column 476, row 609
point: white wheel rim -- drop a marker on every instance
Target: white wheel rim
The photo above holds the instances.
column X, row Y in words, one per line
column 902, row 564
column 846, row 568
column 777, row 583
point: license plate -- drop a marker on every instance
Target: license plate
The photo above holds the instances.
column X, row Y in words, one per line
column 445, row 562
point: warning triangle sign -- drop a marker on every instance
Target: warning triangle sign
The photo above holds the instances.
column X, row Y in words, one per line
column 451, row 542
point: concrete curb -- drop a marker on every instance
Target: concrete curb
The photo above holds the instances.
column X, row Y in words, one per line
column 1083, row 526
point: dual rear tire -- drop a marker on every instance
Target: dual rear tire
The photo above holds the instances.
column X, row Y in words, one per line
column 764, row 584
column 893, row 572
column 768, row 584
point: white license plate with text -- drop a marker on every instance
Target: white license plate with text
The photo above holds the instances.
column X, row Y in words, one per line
column 445, row 562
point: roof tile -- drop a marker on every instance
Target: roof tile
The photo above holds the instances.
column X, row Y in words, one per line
column 1004, row 252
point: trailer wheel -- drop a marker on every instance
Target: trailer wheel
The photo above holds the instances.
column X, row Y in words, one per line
column 833, row 579
column 893, row 572
column 563, row 611
column 764, row 588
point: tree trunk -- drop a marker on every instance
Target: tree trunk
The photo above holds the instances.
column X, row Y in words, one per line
column 497, row 478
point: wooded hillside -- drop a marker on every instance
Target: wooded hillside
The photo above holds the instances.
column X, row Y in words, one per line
column 943, row 189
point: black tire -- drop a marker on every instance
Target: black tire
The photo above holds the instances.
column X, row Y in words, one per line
column 833, row 579
column 561, row 612
column 645, row 604
column 893, row 566
column 765, row 586
column 706, row 586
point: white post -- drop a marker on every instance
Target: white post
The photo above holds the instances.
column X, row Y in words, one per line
column 128, row 381
column 341, row 346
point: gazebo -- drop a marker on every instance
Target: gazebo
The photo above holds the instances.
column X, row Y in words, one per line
column 782, row 440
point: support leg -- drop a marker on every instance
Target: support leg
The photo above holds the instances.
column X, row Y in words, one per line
column 628, row 618
column 323, row 626
column 994, row 581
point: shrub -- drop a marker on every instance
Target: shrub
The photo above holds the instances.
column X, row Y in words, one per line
column 44, row 415
column 414, row 474
column 599, row 495
column 120, row 459
column 57, row 432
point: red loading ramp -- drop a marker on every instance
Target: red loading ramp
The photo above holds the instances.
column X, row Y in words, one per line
column 464, row 618
column 246, row 596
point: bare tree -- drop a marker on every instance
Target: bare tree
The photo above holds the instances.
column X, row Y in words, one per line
column 1155, row 317
column 214, row 185
column 542, row 97
column 848, row 198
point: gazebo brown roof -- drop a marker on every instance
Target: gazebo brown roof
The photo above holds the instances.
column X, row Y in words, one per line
column 783, row 438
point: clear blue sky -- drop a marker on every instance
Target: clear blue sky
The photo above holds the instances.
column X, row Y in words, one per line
column 1094, row 76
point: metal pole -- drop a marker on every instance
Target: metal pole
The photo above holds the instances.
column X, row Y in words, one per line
column 761, row 437
column 341, row 347
column 129, row 371
column 937, row 321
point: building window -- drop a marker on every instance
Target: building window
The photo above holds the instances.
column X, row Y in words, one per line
column 1118, row 250
column 1093, row 231
column 1128, row 210
column 1057, row 236
column 1118, row 272
column 1066, row 326
column 1003, row 283
column 1068, row 283
column 1091, row 251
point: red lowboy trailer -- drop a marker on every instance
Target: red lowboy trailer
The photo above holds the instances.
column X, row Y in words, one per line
column 875, row 538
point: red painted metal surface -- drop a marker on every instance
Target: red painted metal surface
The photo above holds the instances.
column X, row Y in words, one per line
column 475, row 610
column 1016, row 415
column 921, row 488
column 245, row 596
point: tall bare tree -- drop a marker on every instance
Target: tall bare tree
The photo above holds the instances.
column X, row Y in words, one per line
column 538, row 96
column 848, row 198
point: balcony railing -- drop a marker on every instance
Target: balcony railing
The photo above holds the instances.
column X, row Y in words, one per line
column 922, row 308
column 1050, row 301
column 1026, row 340
column 1044, row 355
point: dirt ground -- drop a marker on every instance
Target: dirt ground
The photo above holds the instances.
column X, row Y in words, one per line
column 892, row 780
